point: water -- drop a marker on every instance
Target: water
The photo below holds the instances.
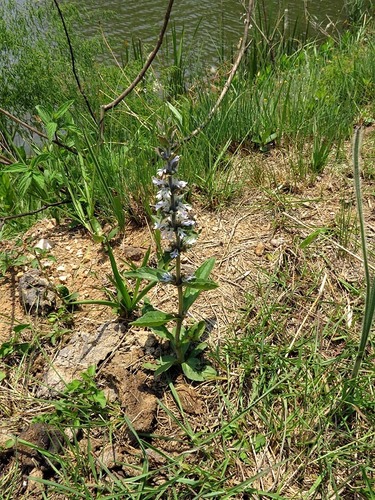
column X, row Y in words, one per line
column 206, row 23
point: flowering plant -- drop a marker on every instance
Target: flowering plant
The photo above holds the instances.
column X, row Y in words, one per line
column 177, row 226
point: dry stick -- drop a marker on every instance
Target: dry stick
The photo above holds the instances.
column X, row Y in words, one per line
column 32, row 212
column 74, row 62
column 36, row 131
column 5, row 161
column 227, row 85
column 141, row 74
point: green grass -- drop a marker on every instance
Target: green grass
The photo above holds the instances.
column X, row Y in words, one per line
column 304, row 100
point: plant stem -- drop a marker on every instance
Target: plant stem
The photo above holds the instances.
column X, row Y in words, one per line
column 177, row 340
column 180, row 310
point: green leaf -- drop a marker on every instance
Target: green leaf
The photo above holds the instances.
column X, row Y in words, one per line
column 192, row 369
column 100, row 398
column 153, row 318
column 196, row 331
column 150, row 366
column 16, row 168
column 146, row 273
column 51, row 128
column 312, row 237
column 120, row 283
column 5, row 349
column 197, row 351
column 165, row 363
column 63, row 109
column 163, row 332
column 202, row 273
column 175, row 111
column 2, row 375
column 202, row 284
column 20, row 328
column 44, row 114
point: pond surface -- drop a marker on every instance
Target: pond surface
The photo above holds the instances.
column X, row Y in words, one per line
column 207, row 24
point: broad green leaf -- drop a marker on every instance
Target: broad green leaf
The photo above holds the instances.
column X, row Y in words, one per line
column 150, row 366
column 163, row 332
column 119, row 211
column 73, row 128
column 202, row 273
column 2, row 375
column 145, row 273
column 5, row 349
column 16, row 168
column 192, row 369
column 195, row 332
column 153, row 318
column 197, row 351
column 44, row 114
column 100, row 398
column 209, row 372
column 39, row 159
column 63, row 109
column 51, row 128
column 120, row 283
column 202, row 284
column 175, row 111
column 165, row 363
column 20, row 328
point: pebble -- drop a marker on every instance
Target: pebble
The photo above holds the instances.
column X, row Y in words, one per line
column 61, row 268
column 276, row 242
column 44, row 244
column 63, row 279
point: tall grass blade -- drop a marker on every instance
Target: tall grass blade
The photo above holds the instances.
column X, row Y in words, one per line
column 370, row 284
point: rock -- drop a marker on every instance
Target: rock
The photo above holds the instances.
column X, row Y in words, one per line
column 82, row 351
column 44, row 244
column 260, row 248
column 134, row 253
column 36, row 293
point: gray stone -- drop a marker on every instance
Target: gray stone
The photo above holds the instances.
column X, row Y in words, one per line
column 82, row 351
column 37, row 295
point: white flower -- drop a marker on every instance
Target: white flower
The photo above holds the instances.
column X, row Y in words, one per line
column 181, row 233
column 188, row 223
column 164, row 194
column 190, row 240
column 187, row 279
column 163, row 205
column 174, row 253
column 168, row 234
column 159, row 182
column 166, row 278
column 173, row 164
column 176, row 184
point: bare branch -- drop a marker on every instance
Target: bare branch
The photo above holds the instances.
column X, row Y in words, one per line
column 227, row 84
column 36, row 131
column 141, row 74
column 32, row 212
column 74, row 62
